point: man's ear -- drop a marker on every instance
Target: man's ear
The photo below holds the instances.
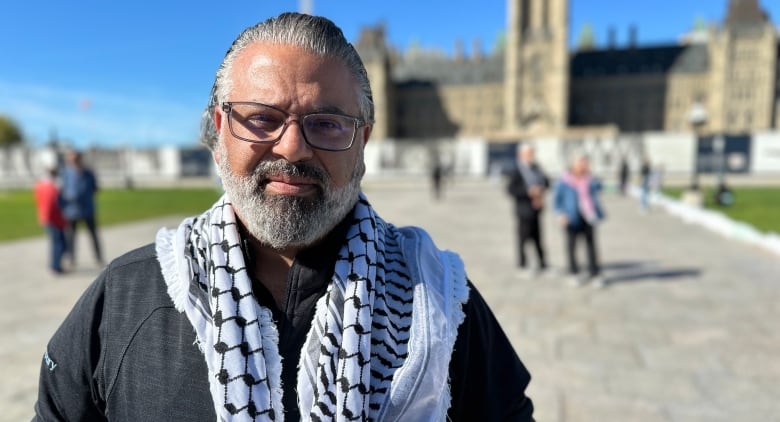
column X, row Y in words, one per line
column 366, row 133
column 218, row 128
column 217, row 119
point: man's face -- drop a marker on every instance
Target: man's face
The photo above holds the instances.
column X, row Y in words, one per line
column 289, row 194
column 527, row 155
column 73, row 158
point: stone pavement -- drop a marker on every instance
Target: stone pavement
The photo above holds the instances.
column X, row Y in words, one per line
column 685, row 330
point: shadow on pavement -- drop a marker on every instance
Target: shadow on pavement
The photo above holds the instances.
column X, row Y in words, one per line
column 646, row 271
column 627, row 265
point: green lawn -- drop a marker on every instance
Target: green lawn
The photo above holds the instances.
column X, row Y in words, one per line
column 18, row 217
column 757, row 206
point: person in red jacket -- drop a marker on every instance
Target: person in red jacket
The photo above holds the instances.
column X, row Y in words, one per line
column 50, row 217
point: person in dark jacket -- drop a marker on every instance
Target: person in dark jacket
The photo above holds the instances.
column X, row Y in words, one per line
column 290, row 298
column 645, row 182
column 624, row 173
column 79, row 187
column 528, row 185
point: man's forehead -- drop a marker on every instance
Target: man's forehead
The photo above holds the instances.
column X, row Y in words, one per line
column 257, row 59
column 265, row 53
column 273, row 71
column 258, row 63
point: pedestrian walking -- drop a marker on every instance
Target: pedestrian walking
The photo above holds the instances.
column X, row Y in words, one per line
column 47, row 203
column 623, row 175
column 579, row 211
column 645, row 184
column 79, row 187
column 528, row 186
column 437, row 174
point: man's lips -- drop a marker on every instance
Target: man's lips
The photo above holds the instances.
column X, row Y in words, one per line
column 290, row 185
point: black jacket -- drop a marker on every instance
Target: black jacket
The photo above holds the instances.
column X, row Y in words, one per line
column 518, row 189
column 125, row 354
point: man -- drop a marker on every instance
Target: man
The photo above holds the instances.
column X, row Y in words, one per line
column 79, row 186
column 290, row 299
column 528, row 185
column 645, row 173
column 437, row 174
column 623, row 174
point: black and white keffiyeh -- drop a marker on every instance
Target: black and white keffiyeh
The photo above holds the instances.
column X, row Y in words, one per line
column 375, row 331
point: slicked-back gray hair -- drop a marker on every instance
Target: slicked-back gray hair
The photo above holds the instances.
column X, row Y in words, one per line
column 314, row 34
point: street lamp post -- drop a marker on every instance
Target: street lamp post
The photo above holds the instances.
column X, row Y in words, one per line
column 723, row 195
column 718, row 147
column 697, row 117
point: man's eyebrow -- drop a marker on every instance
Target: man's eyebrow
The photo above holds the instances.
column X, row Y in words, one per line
column 329, row 109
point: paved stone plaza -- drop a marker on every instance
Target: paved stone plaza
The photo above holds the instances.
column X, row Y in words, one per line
column 686, row 329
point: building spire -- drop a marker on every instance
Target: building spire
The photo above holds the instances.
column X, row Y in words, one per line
column 306, row 6
column 745, row 12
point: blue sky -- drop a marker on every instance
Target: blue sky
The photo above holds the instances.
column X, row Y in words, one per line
column 138, row 72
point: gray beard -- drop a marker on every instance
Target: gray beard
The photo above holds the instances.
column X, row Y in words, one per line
column 284, row 221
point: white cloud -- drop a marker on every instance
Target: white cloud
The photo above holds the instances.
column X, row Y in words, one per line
column 109, row 120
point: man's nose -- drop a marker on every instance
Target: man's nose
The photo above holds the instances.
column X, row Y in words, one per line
column 292, row 145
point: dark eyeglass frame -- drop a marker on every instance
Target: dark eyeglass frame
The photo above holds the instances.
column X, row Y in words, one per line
column 227, row 108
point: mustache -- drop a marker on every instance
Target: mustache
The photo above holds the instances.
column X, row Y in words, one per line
column 265, row 169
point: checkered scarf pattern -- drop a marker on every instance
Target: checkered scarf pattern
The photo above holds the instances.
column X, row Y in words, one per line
column 360, row 332
column 358, row 339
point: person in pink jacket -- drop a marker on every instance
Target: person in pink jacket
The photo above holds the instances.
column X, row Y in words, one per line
column 577, row 204
column 47, row 196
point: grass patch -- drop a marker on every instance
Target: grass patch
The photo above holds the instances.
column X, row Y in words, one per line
column 18, row 218
column 757, row 206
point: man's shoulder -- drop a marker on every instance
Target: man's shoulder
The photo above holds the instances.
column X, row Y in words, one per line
column 136, row 272
column 139, row 256
column 68, row 172
column 428, row 262
column 514, row 172
column 418, row 237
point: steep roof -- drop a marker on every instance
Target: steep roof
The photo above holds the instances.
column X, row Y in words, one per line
column 448, row 71
column 642, row 60
column 694, row 59
column 745, row 12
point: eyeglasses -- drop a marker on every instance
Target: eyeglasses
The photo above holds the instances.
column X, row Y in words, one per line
column 264, row 124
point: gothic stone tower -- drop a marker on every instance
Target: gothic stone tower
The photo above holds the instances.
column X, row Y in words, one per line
column 743, row 70
column 537, row 67
column 375, row 53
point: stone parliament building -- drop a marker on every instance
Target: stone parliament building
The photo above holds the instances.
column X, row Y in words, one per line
column 710, row 103
column 722, row 79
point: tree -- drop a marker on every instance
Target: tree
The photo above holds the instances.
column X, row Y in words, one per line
column 499, row 44
column 586, row 40
column 9, row 132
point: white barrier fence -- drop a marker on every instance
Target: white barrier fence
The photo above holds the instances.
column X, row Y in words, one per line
column 675, row 153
